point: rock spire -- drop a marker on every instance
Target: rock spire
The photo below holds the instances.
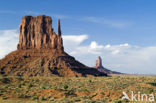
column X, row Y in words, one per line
column 59, row 27
column 99, row 62
column 100, row 67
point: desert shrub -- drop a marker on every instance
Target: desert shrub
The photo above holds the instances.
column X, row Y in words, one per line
column 29, row 85
column 19, row 85
column 27, row 96
column 5, row 80
column 70, row 92
column 21, row 95
column 43, row 87
column 93, row 95
column 54, row 87
column 152, row 83
column 102, row 93
column 23, row 83
column 151, row 90
column 51, row 100
column 66, row 100
column 37, row 80
column 89, row 81
column 43, row 98
column 117, row 101
column 34, row 97
column 65, row 87
column 4, row 98
column 90, row 101
column 6, row 86
column 77, row 100
column 103, row 101
column 84, row 97
column 19, row 78
column 83, row 89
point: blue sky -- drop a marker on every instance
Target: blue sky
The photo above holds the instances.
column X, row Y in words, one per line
column 136, row 16
column 99, row 23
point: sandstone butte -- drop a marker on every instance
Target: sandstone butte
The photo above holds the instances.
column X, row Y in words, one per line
column 40, row 52
column 100, row 68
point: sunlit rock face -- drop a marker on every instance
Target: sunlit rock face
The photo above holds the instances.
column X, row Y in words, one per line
column 37, row 32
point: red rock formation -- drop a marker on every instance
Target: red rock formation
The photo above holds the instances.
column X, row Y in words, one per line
column 99, row 62
column 100, row 67
column 37, row 33
column 40, row 52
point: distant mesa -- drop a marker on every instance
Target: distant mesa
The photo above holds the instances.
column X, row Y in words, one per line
column 40, row 52
column 100, row 67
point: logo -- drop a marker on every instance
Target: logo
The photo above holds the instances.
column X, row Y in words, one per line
column 138, row 97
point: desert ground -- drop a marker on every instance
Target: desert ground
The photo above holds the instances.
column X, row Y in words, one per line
column 73, row 89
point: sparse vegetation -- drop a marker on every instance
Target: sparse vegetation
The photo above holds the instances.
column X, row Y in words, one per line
column 71, row 90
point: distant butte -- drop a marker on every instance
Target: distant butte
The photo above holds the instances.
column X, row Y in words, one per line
column 40, row 52
column 100, row 67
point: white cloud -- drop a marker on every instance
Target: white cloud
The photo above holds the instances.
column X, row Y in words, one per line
column 8, row 41
column 94, row 45
column 71, row 42
column 122, row 57
column 76, row 39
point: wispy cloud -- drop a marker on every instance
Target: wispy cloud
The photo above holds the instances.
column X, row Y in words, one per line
column 32, row 13
column 108, row 22
column 49, row 14
column 58, row 16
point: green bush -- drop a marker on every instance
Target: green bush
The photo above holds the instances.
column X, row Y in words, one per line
column 19, row 85
column 19, row 78
column 117, row 101
column 51, row 100
column 65, row 87
column 4, row 98
column 29, row 86
column 5, row 80
column 89, row 81
column 70, row 92
column 43, row 98
column 151, row 90
column 34, row 97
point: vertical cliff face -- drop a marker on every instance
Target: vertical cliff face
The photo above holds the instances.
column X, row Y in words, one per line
column 99, row 62
column 37, row 33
